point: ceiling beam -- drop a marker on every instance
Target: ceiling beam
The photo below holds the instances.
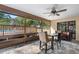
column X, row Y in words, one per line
column 20, row 13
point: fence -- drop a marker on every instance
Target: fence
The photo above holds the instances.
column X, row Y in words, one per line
column 10, row 29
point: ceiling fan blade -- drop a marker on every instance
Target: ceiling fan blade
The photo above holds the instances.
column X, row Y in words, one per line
column 58, row 14
column 61, row 10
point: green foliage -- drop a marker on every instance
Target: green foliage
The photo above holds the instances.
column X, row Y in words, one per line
column 5, row 19
column 19, row 21
column 2, row 15
column 32, row 22
column 44, row 25
column 36, row 23
column 4, row 22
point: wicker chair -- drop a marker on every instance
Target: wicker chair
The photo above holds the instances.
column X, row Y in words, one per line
column 44, row 39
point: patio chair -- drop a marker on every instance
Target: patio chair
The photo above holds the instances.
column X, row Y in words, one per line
column 44, row 39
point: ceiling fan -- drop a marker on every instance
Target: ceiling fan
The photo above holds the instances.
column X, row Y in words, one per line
column 54, row 10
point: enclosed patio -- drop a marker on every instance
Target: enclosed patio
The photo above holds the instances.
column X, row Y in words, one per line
column 29, row 32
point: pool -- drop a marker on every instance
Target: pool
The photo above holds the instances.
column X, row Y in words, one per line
column 7, row 30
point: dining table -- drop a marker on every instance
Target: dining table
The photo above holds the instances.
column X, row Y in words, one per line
column 53, row 38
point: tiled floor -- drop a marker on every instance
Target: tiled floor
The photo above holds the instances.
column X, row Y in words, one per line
column 33, row 48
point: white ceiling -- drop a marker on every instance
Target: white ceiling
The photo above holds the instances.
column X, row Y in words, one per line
column 40, row 9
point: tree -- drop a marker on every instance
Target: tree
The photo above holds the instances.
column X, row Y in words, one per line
column 2, row 15
column 36, row 23
column 32, row 22
column 20, row 21
column 4, row 19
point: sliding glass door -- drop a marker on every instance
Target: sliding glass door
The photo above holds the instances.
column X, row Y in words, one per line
column 67, row 26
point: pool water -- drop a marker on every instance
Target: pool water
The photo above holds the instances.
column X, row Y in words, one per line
column 7, row 30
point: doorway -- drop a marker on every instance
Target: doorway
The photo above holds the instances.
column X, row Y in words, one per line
column 67, row 26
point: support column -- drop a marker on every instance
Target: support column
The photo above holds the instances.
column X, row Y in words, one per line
column 25, row 27
column 3, row 30
column 41, row 26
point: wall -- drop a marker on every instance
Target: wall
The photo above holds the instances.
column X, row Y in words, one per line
column 54, row 24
